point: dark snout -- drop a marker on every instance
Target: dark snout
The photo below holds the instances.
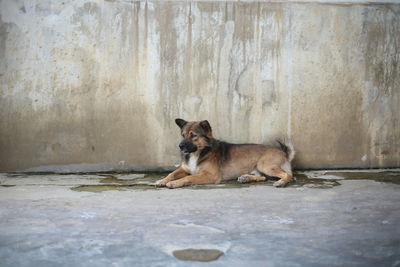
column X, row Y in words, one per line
column 187, row 147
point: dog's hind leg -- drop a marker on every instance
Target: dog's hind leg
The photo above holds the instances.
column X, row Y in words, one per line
column 276, row 164
column 286, row 177
column 278, row 171
column 255, row 176
column 275, row 168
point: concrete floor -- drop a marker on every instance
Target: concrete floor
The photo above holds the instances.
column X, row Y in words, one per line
column 324, row 219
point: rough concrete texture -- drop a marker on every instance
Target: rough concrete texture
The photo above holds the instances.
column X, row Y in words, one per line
column 45, row 223
column 98, row 83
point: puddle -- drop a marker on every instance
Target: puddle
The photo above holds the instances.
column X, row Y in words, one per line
column 146, row 182
column 123, row 182
column 303, row 179
column 114, row 180
column 102, row 188
column 197, row 254
column 100, row 182
column 384, row 176
column 148, row 179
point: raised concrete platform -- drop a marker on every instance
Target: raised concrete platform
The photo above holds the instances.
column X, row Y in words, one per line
column 326, row 218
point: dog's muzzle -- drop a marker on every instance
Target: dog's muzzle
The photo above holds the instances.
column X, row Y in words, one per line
column 187, row 147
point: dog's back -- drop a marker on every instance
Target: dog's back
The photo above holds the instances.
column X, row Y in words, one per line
column 238, row 159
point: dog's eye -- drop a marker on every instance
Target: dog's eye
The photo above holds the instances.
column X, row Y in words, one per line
column 194, row 136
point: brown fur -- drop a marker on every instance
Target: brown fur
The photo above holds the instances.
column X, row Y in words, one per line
column 206, row 160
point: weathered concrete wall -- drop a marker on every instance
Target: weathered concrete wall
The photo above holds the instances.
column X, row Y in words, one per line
column 100, row 82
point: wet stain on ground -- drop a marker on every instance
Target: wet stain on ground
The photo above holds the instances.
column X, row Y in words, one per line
column 385, row 177
column 303, row 181
column 145, row 181
column 112, row 182
column 198, row 254
column 101, row 188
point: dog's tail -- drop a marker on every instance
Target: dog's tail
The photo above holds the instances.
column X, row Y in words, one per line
column 287, row 147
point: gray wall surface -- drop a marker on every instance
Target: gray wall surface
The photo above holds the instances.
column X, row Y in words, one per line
column 96, row 85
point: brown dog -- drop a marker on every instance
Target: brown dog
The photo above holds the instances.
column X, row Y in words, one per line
column 206, row 160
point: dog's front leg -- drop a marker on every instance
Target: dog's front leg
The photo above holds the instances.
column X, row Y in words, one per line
column 202, row 178
column 177, row 174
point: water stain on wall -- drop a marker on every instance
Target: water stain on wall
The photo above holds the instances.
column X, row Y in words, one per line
column 114, row 75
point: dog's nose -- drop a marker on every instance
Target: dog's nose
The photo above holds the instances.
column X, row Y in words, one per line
column 181, row 146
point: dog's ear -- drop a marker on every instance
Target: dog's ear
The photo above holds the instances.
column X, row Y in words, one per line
column 180, row 123
column 206, row 127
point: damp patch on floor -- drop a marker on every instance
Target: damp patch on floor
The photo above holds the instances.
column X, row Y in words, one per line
column 204, row 255
column 101, row 188
column 377, row 175
column 100, row 182
column 385, row 177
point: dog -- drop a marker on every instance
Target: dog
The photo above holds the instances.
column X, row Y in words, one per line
column 206, row 160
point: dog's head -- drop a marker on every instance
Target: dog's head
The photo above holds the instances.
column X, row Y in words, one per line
column 196, row 135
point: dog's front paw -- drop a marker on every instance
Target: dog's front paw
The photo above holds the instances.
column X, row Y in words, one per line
column 174, row 184
column 162, row 182
column 280, row 183
column 244, row 178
